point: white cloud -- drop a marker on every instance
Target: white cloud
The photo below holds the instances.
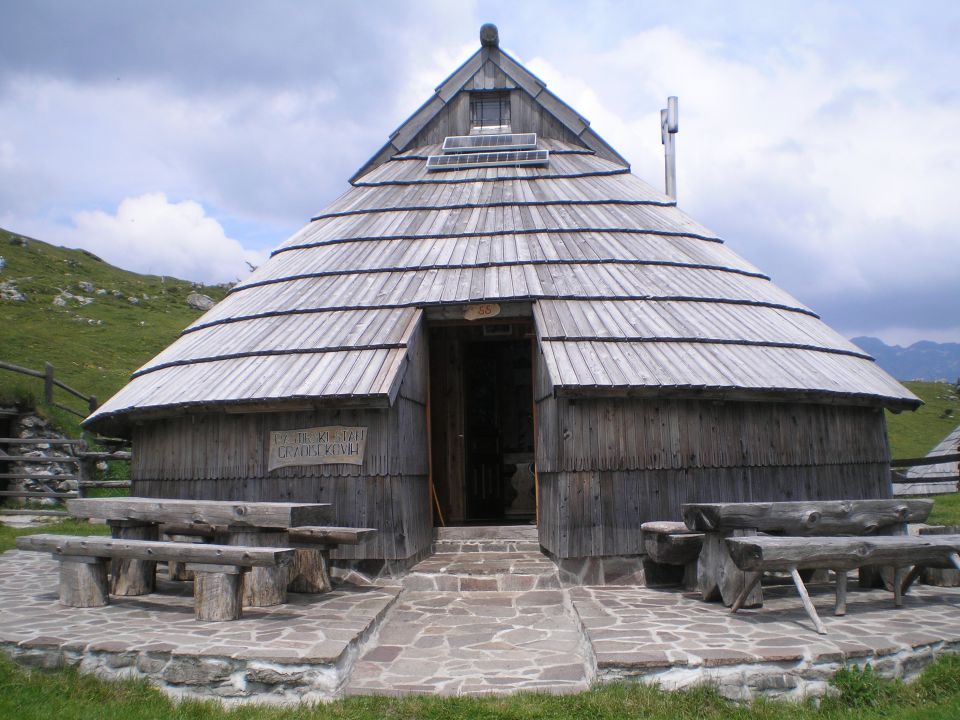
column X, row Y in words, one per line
column 150, row 234
column 833, row 175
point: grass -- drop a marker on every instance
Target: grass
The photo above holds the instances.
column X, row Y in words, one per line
column 914, row 434
column 63, row 527
column 946, row 510
column 93, row 347
column 860, row 695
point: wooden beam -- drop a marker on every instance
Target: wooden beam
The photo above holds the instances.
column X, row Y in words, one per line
column 841, row 553
column 206, row 512
column 806, row 517
column 927, row 460
column 70, row 546
column 331, row 535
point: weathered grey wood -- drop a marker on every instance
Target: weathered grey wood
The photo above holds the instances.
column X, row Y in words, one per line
column 310, row 572
column 671, row 543
column 178, row 570
column 840, row 607
column 945, row 576
column 262, row 586
column 807, row 603
column 784, row 553
column 128, row 576
column 731, row 579
column 708, row 567
column 83, row 582
column 821, row 517
column 208, row 512
column 217, row 595
column 330, row 535
column 70, row 546
column 752, row 580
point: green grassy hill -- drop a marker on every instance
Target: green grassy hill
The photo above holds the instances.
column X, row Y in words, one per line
column 94, row 346
column 914, row 434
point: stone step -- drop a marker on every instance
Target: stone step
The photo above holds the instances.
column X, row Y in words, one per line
column 473, row 546
column 483, row 571
column 488, row 538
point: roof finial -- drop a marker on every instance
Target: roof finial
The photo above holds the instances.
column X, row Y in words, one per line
column 489, row 35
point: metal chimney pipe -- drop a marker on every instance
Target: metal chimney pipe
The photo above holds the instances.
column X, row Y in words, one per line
column 669, row 124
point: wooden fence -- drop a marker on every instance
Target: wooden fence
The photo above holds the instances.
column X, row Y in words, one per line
column 899, row 478
column 83, row 460
column 50, row 382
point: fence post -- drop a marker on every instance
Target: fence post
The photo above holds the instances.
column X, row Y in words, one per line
column 48, row 383
column 92, row 403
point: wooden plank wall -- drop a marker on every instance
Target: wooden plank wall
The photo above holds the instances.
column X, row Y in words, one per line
column 224, row 456
column 526, row 115
column 607, row 466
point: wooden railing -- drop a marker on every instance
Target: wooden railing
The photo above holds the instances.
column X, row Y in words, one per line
column 83, row 461
column 49, row 383
column 899, row 478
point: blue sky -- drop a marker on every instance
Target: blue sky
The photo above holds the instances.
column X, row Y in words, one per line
column 821, row 140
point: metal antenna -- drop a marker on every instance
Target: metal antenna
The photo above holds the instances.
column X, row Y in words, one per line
column 668, row 128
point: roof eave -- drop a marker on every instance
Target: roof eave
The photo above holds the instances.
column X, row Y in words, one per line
column 895, row 404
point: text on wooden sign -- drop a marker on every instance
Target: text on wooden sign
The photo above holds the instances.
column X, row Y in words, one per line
column 317, row 446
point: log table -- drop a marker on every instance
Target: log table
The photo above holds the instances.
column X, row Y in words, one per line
column 263, row 524
column 719, row 577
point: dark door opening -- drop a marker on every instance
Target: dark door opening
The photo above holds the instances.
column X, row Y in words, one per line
column 482, row 423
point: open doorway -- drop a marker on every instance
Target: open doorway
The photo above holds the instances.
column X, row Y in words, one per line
column 481, row 418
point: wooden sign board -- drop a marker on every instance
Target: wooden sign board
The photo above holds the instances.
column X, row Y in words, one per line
column 479, row 312
column 317, row 446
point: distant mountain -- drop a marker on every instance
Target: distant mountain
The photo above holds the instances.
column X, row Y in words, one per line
column 923, row 360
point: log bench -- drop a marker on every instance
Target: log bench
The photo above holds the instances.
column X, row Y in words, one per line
column 234, row 522
column 310, row 570
column 718, row 577
column 759, row 554
column 672, row 550
column 218, row 569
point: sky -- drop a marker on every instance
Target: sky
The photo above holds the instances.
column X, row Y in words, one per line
column 821, row 140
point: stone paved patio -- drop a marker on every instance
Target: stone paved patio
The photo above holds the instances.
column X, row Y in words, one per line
column 476, row 643
column 558, row 640
column 301, row 650
column 676, row 640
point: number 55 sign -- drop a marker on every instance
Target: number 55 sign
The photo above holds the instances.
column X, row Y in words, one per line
column 479, row 312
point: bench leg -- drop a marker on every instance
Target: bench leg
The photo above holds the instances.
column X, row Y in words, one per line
column 898, row 586
column 178, row 570
column 83, row 582
column 807, row 603
column 841, row 605
column 262, row 586
column 217, row 592
column 310, row 572
column 133, row 577
column 717, row 574
column 751, row 582
column 915, row 572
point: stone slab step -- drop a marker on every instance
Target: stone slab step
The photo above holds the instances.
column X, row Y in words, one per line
column 483, row 571
column 496, row 545
column 488, row 532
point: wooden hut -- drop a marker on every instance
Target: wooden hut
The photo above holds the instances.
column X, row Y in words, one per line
column 499, row 323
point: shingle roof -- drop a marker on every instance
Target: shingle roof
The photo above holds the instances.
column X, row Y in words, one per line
column 632, row 297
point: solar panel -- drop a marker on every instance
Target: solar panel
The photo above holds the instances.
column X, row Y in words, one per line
column 512, row 158
column 479, row 143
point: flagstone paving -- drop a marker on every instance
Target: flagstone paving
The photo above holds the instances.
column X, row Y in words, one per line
column 475, row 643
column 398, row 640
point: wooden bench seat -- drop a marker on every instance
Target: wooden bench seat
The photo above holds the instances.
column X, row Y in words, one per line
column 310, row 571
column 311, row 563
column 218, row 569
column 672, row 550
column 758, row 554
